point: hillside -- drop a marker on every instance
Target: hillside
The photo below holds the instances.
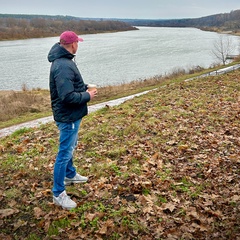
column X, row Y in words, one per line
column 17, row 26
column 161, row 166
column 218, row 22
column 20, row 26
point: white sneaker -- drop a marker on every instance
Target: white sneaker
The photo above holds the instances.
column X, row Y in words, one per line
column 77, row 179
column 64, row 201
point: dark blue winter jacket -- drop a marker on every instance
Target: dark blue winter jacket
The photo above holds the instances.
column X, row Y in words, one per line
column 68, row 91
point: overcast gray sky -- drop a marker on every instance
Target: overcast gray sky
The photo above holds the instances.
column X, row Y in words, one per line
column 152, row 9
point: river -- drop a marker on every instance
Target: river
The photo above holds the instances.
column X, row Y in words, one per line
column 111, row 58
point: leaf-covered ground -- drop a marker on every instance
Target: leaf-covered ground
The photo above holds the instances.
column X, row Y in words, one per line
column 161, row 166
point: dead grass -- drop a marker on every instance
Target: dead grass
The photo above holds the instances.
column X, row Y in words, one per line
column 19, row 106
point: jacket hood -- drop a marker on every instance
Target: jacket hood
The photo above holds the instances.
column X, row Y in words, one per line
column 57, row 52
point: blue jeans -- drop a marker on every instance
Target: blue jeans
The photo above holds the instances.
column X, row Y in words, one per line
column 63, row 166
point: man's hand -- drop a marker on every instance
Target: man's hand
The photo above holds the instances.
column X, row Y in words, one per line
column 93, row 93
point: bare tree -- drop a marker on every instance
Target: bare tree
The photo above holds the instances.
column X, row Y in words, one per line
column 223, row 48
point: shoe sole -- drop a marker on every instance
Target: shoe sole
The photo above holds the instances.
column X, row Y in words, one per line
column 67, row 208
column 72, row 182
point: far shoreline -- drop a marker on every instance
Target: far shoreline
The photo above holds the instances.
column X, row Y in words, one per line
column 82, row 34
column 216, row 30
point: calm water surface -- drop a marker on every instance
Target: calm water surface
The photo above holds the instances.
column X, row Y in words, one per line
column 110, row 58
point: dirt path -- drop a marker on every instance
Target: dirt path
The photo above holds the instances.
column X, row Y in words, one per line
column 7, row 131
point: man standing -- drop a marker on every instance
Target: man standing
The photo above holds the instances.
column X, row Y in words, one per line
column 69, row 97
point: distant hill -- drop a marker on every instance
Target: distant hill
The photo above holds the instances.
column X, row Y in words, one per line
column 218, row 22
column 21, row 26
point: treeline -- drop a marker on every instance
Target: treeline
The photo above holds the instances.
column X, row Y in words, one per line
column 19, row 26
column 34, row 26
column 222, row 22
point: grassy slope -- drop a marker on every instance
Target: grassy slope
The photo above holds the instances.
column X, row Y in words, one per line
column 161, row 166
column 23, row 106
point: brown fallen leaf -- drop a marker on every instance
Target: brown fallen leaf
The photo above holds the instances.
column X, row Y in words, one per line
column 169, row 206
column 90, row 216
column 7, row 212
column 2, row 148
column 38, row 212
column 19, row 224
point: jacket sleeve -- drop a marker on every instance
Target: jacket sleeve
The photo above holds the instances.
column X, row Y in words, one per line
column 65, row 87
column 77, row 98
